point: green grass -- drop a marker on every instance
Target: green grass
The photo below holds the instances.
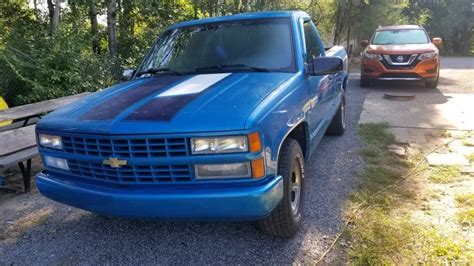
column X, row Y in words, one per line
column 468, row 142
column 445, row 134
column 445, row 174
column 471, row 157
column 383, row 232
column 376, row 134
column 466, row 217
column 465, row 200
column 376, row 237
column 438, row 247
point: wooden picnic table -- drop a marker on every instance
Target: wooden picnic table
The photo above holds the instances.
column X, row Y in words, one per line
column 24, row 112
column 18, row 145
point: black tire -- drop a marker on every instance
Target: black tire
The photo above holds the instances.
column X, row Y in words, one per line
column 338, row 123
column 432, row 84
column 364, row 81
column 285, row 219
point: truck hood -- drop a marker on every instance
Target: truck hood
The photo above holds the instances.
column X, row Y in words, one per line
column 168, row 104
column 402, row 49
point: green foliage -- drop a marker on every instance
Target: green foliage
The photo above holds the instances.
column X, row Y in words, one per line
column 450, row 19
column 37, row 65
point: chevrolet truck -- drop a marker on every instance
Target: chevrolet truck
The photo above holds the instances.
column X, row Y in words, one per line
column 216, row 123
column 401, row 52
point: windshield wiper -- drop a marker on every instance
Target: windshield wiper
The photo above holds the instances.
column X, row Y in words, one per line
column 154, row 71
column 233, row 67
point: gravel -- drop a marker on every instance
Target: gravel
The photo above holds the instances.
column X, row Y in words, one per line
column 75, row 236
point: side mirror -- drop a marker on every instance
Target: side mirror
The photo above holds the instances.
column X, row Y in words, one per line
column 326, row 66
column 364, row 43
column 127, row 74
column 437, row 41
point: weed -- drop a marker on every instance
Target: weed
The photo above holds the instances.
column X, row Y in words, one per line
column 445, row 134
column 471, row 157
column 465, row 200
column 468, row 142
column 445, row 174
column 439, row 247
column 466, row 217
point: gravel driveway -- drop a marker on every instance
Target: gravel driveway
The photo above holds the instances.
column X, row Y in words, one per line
column 69, row 235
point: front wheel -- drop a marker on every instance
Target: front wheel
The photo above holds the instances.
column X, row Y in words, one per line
column 285, row 219
column 432, row 84
column 364, row 81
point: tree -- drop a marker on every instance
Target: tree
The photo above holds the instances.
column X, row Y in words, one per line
column 111, row 24
column 56, row 14
column 94, row 27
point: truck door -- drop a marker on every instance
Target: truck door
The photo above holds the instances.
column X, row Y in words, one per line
column 320, row 87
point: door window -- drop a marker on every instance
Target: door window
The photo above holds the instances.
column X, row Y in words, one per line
column 312, row 46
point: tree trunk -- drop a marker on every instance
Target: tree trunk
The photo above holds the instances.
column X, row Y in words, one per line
column 195, row 8
column 50, row 12
column 55, row 24
column 111, row 24
column 94, row 27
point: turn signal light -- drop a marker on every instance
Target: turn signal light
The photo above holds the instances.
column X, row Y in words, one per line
column 258, row 168
column 254, row 142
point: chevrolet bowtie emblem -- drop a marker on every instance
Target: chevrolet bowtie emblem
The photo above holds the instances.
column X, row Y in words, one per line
column 114, row 162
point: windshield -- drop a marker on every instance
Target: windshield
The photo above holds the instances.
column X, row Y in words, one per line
column 388, row 37
column 246, row 45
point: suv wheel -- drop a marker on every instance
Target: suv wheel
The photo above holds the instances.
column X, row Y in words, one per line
column 364, row 81
column 285, row 219
column 338, row 123
column 432, row 83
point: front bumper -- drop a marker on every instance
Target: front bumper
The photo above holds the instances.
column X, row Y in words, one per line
column 195, row 203
column 426, row 69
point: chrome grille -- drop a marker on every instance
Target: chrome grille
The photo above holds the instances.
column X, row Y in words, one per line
column 125, row 148
column 400, row 61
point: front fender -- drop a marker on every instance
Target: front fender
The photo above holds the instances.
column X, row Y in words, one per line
column 278, row 114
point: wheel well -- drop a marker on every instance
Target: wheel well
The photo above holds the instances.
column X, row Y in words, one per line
column 299, row 134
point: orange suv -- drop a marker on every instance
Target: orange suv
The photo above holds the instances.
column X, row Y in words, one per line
column 402, row 52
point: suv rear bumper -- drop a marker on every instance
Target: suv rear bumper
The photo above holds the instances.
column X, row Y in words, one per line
column 203, row 203
column 425, row 69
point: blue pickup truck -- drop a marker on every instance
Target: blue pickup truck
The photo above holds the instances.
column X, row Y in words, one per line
column 215, row 124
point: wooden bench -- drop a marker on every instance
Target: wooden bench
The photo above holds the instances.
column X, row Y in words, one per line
column 18, row 146
column 18, row 141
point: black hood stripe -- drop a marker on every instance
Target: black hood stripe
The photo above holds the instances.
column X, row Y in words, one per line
column 169, row 102
column 112, row 107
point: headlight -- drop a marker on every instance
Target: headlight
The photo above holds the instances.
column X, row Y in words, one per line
column 214, row 171
column 50, row 141
column 372, row 56
column 219, row 145
column 427, row 55
column 56, row 162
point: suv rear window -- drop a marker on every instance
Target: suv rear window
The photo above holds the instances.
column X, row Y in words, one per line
column 394, row 37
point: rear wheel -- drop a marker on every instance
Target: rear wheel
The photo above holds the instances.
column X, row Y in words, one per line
column 285, row 219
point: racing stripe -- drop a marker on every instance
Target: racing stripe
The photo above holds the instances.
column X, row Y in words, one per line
column 167, row 103
column 112, row 107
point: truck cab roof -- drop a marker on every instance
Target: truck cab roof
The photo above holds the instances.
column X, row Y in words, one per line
column 243, row 16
